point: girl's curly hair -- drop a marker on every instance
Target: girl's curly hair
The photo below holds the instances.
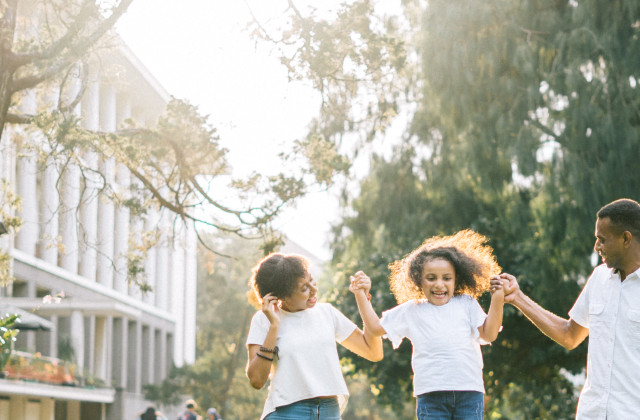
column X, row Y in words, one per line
column 472, row 260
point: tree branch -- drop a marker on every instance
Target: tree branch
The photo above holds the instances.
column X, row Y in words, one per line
column 66, row 42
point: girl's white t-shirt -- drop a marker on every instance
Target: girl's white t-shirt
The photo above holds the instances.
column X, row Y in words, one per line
column 446, row 344
column 307, row 365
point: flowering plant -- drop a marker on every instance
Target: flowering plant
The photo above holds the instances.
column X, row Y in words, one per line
column 7, row 337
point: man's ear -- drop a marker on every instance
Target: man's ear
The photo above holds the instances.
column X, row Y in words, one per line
column 627, row 237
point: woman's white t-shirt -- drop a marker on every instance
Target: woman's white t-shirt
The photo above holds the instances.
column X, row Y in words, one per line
column 308, row 365
column 446, row 345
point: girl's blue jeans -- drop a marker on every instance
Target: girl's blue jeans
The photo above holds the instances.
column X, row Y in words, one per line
column 450, row 405
column 311, row 409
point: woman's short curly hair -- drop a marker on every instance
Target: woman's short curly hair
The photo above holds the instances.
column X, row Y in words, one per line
column 472, row 260
column 278, row 274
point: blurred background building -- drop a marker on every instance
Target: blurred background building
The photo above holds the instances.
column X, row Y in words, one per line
column 94, row 339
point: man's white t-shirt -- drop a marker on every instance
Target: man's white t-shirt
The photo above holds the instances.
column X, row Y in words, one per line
column 307, row 365
column 446, row 346
column 610, row 309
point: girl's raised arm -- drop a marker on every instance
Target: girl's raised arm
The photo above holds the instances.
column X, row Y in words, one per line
column 360, row 287
column 367, row 343
column 491, row 327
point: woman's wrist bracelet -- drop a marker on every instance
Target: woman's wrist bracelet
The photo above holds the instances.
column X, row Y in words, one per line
column 264, row 357
column 273, row 350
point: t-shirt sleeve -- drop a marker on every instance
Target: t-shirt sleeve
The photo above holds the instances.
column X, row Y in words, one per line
column 258, row 329
column 477, row 316
column 343, row 326
column 395, row 323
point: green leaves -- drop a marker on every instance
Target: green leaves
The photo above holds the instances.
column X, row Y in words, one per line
column 524, row 122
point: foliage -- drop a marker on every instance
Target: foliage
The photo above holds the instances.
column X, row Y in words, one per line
column 50, row 50
column 523, row 122
column 72, row 30
column 217, row 378
column 10, row 203
column 7, row 336
column 169, row 391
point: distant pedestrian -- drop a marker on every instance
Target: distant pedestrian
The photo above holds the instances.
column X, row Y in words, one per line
column 151, row 414
column 190, row 412
column 212, row 414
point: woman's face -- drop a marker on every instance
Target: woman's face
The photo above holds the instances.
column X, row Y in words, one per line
column 303, row 297
column 438, row 281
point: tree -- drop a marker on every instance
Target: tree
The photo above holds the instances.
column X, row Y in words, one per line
column 522, row 117
column 217, row 377
column 75, row 30
column 51, row 46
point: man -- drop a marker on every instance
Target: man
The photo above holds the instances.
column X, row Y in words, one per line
column 190, row 412
column 212, row 414
column 608, row 311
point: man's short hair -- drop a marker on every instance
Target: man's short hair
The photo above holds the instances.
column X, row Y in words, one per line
column 624, row 215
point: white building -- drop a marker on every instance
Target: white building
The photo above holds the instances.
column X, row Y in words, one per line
column 73, row 241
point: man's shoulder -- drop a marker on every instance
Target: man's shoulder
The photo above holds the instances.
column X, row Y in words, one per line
column 600, row 273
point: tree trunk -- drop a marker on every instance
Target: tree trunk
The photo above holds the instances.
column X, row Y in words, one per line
column 7, row 33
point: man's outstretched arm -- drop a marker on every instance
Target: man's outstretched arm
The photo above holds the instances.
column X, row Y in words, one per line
column 567, row 333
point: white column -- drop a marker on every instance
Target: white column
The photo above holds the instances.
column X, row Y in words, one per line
column 89, row 199
column 149, row 359
column 47, row 409
column 27, row 185
column 106, row 210
column 136, row 235
column 70, row 193
column 120, row 351
column 137, row 367
column 90, row 358
column 73, row 410
column 151, row 224
column 161, row 359
column 53, row 345
column 123, row 181
column 121, row 238
column 177, row 291
column 26, row 238
column 163, row 268
column 70, row 202
column 102, row 348
column 190, row 295
column 77, row 339
column 49, row 204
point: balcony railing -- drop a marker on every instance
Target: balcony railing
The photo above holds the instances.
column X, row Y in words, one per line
column 37, row 368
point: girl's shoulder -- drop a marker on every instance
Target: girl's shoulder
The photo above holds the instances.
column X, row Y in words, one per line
column 408, row 306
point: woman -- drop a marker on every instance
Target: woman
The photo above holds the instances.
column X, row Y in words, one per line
column 293, row 340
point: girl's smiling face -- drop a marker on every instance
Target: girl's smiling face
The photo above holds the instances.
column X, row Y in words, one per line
column 438, row 281
column 304, row 296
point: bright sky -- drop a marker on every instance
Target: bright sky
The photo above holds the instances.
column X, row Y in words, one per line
column 199, row 51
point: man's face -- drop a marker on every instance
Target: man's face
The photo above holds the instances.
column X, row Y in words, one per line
column 609, row 244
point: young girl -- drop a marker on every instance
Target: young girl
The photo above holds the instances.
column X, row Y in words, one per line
column 293, row 341
column 436, row 286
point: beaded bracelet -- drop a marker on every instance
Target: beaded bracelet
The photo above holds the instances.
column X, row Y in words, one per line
column 268, row 350
column 264, row 357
